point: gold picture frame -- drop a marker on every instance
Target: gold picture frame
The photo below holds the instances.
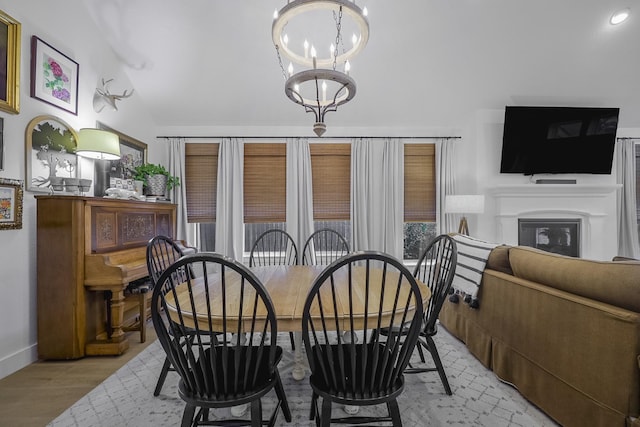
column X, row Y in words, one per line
column 11, row 194
column 10, row 33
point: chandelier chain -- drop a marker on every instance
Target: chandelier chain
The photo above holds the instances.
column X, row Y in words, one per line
column 284, row 74
column 339, row 42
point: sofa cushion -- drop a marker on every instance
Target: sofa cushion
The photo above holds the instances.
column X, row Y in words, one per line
column 499, row 259
column 616, row 283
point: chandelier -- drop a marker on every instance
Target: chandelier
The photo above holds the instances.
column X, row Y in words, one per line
column 324, row 82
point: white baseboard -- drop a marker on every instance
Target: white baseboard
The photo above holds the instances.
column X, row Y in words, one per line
column 18, row 360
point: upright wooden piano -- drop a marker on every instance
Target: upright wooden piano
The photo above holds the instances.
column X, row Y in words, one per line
column 89, row 249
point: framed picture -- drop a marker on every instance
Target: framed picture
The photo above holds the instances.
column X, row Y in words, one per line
column 50, row 153
column 10, row 204
column 54, row 76
column 1, row 144
column 9, row 64
column 132, row 153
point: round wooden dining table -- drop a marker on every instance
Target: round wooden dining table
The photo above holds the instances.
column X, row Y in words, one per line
column 288, row 286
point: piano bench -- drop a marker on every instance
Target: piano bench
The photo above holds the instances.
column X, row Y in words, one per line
column 137, row 297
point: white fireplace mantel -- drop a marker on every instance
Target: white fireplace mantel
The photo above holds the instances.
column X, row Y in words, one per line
column 593, row 204
column 554, row 190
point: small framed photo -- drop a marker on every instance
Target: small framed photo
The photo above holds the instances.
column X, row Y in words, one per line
column 10, row 204
column 54, row 76
column 9, row 64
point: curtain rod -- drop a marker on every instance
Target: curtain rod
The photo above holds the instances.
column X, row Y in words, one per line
column 312, row 137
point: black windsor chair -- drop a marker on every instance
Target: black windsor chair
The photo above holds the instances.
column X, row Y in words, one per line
column 323, row 247
column 225, row 297
column 274, row 247
column 346, row 366
column 162, row 251
column 435, row 268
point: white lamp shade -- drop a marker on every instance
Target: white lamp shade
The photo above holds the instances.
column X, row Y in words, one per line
column 98, row 144
column 464, row 204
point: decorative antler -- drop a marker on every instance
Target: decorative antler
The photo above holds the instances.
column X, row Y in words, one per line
column 104, row 97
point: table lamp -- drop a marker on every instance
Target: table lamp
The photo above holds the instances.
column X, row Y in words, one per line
column 464, row 204
column 98, row 144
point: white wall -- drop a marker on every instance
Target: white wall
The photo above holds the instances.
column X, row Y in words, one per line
column 68, row 28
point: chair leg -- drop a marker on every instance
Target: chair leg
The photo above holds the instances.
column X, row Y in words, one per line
column 187, row 416
column 256, row 413
column 314, row 404
column 420, row 352
column 143, row 316
column 325, row 417
column 431, row 346
column 394, row 413
column 162, row 377
column 293, row 344
column 283, row 398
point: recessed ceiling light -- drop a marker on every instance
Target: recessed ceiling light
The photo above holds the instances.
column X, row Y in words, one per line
column 620, row 16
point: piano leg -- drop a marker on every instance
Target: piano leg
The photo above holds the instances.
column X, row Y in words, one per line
column 113, row 341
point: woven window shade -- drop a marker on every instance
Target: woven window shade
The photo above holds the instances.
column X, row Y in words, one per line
column 331, row 169
column 201, row 168
column 265, row 182
column 419, row 183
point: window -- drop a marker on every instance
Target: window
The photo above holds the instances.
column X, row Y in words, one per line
column 201, row 170
column 264, row 189
column 201, row 167
column 419, row 198
column 331, row 174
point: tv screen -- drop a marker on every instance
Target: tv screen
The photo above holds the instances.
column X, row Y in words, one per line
column 558, row 140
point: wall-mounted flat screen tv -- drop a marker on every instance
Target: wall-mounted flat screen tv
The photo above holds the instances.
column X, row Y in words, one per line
column 557, row 140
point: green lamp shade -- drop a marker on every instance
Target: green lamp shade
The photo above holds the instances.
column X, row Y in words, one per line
column 98, row 144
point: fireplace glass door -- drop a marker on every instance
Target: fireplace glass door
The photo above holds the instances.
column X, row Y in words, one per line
column 561, row 236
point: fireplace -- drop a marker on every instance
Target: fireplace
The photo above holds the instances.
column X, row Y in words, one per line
column 592, row 205
column 555, row 235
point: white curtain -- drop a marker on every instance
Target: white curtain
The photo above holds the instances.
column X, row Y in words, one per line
column 628, row 245
column 445, row 184
column 299, row 192
column 230, row 206
column 377, row 195
column 184, row 230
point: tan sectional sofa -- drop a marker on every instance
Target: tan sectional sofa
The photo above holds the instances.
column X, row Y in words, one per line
column 564, row 331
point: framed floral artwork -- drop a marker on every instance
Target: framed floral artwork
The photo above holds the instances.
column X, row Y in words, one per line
column 10, row 204
column 9, row 64
column 50, row 153
column 54, row 76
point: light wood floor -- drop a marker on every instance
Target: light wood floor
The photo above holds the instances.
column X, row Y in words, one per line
column 38, row 393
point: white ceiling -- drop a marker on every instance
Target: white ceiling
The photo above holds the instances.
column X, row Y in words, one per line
column 428, row 63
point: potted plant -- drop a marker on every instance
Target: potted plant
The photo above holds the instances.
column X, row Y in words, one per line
column 156, row 178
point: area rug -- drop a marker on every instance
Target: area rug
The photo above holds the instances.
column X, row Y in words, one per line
column 479, row 397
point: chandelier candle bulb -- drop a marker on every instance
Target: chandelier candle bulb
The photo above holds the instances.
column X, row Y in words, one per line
column 306, row 49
